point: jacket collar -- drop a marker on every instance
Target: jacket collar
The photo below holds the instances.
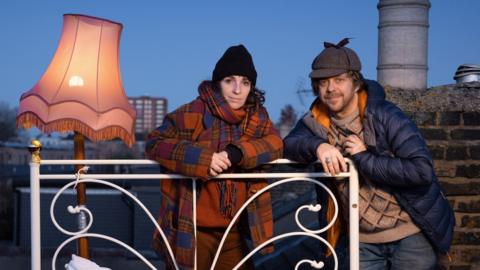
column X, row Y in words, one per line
column 319, row 111
column 376, row 93
column 318, row 122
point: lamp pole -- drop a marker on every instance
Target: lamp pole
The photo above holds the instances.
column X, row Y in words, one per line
column 79, row 153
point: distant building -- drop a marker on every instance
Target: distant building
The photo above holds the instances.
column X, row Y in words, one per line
column 16, row 153
column 150, row 112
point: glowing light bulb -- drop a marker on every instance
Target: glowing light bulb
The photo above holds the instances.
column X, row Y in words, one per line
column 75, row 81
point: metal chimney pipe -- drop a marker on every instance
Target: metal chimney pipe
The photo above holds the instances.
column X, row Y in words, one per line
column 403, row 43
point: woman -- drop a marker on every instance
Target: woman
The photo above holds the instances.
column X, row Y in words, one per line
column 226, row 127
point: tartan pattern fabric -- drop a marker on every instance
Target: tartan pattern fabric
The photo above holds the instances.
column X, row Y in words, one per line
column 183, row 144
column 227, row 126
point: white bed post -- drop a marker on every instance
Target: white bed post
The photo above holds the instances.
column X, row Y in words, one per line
column 34, row 148
column 353, row 216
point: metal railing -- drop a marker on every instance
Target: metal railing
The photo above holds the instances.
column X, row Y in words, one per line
column 36, row 177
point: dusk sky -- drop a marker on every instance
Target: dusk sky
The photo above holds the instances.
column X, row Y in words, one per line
column 168, row 47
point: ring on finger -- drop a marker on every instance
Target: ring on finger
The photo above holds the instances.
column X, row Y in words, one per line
column 328, row 160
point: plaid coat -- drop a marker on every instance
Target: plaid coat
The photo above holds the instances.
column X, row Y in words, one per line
column 181, row 145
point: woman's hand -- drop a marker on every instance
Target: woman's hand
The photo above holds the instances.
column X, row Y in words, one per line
column 354, row 145
column 332, row 160
column 220, row 163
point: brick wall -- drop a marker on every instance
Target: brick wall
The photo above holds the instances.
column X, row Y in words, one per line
column 449, row 118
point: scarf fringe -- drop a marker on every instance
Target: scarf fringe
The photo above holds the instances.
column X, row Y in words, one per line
column 228, row 196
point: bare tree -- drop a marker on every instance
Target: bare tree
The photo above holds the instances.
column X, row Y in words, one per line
column 288, row 116
column 8, row 128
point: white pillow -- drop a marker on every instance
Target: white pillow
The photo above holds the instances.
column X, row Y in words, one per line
column 79, row 263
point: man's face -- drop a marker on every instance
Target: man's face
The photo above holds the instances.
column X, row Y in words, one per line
column 338, row 93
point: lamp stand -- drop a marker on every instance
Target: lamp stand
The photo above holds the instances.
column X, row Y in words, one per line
column 79, row 153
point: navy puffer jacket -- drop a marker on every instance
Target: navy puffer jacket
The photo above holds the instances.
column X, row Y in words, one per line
column 396, row 156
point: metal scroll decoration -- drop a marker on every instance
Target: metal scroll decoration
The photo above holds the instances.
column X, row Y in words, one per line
column 305, row 231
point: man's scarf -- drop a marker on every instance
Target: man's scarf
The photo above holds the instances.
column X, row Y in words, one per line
column 228, row 127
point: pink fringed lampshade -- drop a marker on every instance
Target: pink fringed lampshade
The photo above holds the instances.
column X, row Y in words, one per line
column 82, row 89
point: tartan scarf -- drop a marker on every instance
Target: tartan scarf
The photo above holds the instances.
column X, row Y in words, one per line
column 228, row 127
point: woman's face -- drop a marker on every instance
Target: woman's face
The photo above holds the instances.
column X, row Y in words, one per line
column 235, row 90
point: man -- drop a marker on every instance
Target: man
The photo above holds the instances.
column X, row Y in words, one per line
column 405, row 220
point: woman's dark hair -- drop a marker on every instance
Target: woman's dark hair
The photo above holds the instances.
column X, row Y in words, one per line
column 356, row 76
column 255, row 98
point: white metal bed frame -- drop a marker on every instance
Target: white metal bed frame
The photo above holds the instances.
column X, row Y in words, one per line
column 36, row 177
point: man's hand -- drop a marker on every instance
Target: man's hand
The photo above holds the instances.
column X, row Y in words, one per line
column 332, row 160
column 220, row 163
column 354, row 145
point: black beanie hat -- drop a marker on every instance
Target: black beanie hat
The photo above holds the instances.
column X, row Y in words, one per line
column 235, row 61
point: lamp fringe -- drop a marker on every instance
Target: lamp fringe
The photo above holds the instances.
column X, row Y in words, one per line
column 29, row 119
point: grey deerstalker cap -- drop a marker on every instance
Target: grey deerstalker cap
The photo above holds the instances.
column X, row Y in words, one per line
column 335, row 60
